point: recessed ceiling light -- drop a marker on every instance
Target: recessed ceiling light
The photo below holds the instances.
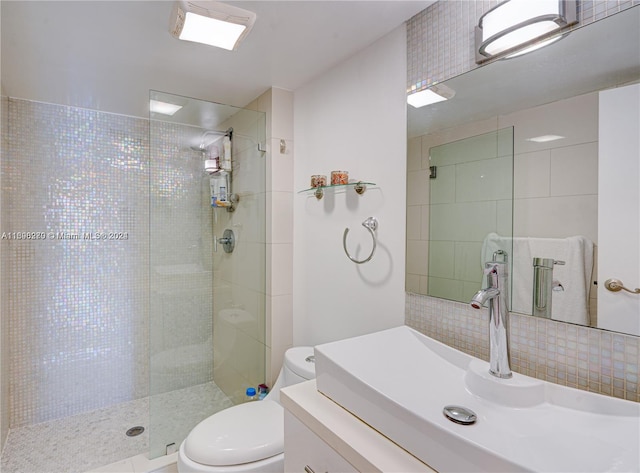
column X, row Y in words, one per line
column 545, row 138
column 213, row 23
column 164, row 108
column 434, row 94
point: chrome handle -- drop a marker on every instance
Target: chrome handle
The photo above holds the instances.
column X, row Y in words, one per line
column 307, row 469
column 228, row 241
column 370, row 224
column 615, row 285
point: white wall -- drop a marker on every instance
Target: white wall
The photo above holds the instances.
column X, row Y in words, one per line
column 619, row 207
column 278, row 106
column 351, row 118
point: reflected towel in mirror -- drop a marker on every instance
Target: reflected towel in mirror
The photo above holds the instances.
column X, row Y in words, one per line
column 570, row 305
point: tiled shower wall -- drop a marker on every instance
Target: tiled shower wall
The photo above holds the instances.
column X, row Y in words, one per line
column 441, row 38
column 76, row 233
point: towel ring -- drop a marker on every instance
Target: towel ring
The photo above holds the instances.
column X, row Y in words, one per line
column 371, row 224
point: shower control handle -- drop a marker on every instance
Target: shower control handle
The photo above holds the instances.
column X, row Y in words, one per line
column 228, row 241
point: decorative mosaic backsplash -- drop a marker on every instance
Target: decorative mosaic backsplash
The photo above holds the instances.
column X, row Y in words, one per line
column 571, row 355
column 441, row 38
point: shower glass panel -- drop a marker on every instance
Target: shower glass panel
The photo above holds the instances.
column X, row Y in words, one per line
column 207, row 306
column 470, row 212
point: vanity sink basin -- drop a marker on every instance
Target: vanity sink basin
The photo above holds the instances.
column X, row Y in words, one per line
column 398, row 381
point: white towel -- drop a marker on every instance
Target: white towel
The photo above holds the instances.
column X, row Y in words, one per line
column 570, row 305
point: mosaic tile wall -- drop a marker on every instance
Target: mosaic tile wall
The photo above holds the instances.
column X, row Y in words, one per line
column 76, row 235
column 571, row 355
column 181, row 273
column 441, row 38
column 79, row 240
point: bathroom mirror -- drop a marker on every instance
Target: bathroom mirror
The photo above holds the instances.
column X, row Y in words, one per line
column 550, row 99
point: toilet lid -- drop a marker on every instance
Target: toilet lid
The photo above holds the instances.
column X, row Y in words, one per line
column 240, row 434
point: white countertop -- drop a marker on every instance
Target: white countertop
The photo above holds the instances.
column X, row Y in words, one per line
column 363, row 447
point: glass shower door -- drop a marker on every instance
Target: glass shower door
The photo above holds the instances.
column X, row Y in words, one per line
column 206, row 305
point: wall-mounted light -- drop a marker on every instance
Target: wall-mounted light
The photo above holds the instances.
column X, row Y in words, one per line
column 434, row 94
column 213, row 23
column 514, row 27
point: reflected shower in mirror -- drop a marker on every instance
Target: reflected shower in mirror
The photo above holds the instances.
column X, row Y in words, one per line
column 552, row 100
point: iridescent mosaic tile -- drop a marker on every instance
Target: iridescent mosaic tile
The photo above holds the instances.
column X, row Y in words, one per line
column 103, row 217
column 441, row 38
column 75, row 234
column 571, row 355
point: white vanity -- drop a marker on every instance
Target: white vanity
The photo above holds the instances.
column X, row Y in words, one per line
column 322, row 437
column 444, row 407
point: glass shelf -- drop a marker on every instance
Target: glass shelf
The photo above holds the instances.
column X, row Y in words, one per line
column 359, row 187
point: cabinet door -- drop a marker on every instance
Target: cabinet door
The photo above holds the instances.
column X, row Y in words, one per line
column 305, row 452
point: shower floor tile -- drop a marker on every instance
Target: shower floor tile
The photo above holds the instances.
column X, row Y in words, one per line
column 83, row 442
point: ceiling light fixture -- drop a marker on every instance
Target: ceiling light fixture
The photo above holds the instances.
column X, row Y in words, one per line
column 434, row 94
column 164, row 108
column 514, row 27
column 213, row 23
column 545, row 138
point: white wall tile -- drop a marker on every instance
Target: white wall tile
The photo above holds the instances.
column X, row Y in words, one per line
column 443, row 188
column 424, row 230
column 417, row 257
column 417, row 187
column 467, row 264
column 574, row 170
column 281, row 263
column 280, row 167
column 446, row 288
column 463, row 222
column 490, row 179
column 441, row 259
column 281, row 339
column 466, row 150
column 412, row 283
column 414, row 154
column 282, row 110
column 557, row 217
column 576, row 119
column 280, row 225
column 531, row 174
column 414, row 222
column 504, row 217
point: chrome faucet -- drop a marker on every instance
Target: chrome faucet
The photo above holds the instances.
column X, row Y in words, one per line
column 495, row 294
column 544, row 285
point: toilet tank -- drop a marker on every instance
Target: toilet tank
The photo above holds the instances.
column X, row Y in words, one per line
column 299, row 365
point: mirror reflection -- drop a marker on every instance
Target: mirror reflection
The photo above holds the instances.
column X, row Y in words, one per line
column 565, row 107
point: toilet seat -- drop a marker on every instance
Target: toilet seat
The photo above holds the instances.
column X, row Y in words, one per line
column 243, row 433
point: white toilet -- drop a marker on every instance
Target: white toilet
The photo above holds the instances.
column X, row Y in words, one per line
column 247, row 437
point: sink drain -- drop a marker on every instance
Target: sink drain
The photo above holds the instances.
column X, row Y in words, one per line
column 134, row 431
column 460, row 415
